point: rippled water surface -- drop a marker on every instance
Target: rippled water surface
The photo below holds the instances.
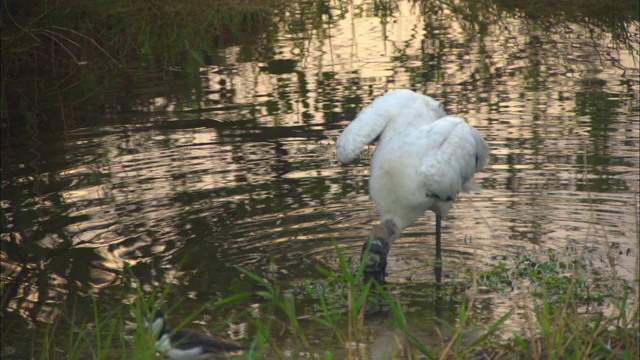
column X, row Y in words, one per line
column 237, row 167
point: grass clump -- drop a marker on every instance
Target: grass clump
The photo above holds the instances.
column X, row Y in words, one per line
column 107, row 334
column 564, row 314
column 118, row 32
column 59, row 57
column 563, row 332
column 342, row 315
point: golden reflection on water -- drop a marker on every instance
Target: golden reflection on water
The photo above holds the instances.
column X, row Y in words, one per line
column 559, row 109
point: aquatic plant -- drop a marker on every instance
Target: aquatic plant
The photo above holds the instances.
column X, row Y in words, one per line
column 554, row 326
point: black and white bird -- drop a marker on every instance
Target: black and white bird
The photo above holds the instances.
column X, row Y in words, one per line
column 423, row 159
column 188, row 344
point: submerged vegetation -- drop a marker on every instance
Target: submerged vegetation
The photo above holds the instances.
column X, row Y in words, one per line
column 554, row 327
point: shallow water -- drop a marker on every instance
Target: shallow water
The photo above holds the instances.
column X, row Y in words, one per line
column 240, row 170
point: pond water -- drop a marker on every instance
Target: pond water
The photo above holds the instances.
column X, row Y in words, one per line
column 236, row 166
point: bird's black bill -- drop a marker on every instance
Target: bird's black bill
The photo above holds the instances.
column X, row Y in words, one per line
column 376, row 248
column 376, row 262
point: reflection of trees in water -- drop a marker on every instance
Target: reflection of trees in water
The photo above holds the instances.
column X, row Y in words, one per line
column 471, row 54
column 151, row 216
column 500, row 40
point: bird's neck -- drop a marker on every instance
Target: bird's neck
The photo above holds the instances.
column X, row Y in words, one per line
column 384, row 234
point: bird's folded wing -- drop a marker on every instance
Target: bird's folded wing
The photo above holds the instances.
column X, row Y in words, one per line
column 453, row 153
column 186, row 338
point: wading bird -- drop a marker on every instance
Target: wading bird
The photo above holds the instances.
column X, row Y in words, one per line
column 187, row 344
column 423, row 159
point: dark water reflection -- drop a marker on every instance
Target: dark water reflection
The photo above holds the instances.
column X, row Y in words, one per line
column 237, row 167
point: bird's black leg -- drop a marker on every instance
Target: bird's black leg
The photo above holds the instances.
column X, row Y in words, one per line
column 438, row 266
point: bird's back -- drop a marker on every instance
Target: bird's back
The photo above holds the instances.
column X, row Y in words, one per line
column 422, row 165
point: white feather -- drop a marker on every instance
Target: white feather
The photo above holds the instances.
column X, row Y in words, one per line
column 423, row 159
column 383, row 112
column 196, row 353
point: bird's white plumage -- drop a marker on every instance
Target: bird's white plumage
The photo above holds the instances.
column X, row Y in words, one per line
column 423, row 159
column 164, row 346
column 385, row 111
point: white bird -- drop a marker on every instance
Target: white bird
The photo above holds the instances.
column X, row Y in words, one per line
column 423, row 159
column 187, row 344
